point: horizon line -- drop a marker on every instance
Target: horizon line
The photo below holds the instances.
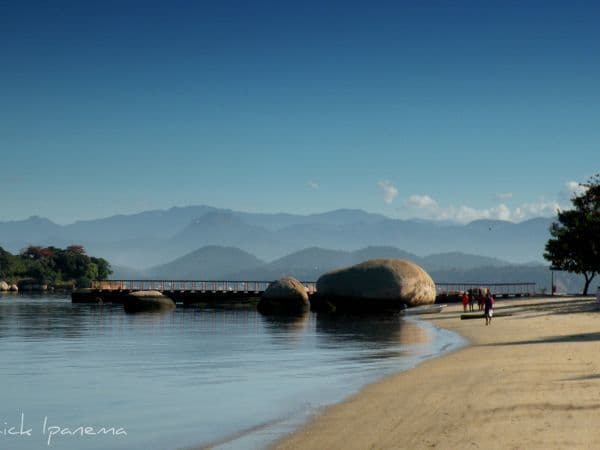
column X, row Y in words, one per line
column 234, row 211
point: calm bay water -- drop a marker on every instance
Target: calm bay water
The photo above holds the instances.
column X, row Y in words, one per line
column 186, row 378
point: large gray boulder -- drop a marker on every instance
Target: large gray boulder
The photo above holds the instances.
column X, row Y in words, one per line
column 286, row 295
column 4, row 286
column 141, row 301
column 14, row 288
column 378, row 284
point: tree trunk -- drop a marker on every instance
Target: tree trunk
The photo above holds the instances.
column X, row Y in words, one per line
column 588, row 280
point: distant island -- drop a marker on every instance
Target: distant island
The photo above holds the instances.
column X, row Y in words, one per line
column 38, row 267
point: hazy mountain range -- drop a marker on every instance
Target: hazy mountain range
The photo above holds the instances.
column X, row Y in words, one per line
column 230, row 263
column 152, row 238
column 210, row 243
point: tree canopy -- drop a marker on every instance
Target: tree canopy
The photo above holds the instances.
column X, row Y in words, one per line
column 575, row 242
column 51, row 265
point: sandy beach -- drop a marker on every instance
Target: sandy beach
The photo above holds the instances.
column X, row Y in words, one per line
column 529, row 380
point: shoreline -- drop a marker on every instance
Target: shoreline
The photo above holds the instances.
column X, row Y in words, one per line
column 530, row 380
column 438, row 342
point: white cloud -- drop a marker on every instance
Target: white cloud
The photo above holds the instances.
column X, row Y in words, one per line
column 540, row 208
column 464, row 214
column 574, row 188
column 504, row 195
column 424, row 206
column 502, row 212
column 313, row 185
column 390, row 192
column 421, row 202
column 428, row 207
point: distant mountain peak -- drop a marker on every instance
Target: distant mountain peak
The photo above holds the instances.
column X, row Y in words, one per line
column 217, row 218
column 37, row 220
column 150, row 238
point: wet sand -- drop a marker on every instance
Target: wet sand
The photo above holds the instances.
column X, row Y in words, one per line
column 529, row 380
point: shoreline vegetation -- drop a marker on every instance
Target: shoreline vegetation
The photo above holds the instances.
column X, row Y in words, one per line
column 530, row 380
column 38, row 268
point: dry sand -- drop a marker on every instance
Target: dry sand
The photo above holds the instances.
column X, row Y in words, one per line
column 531, row 380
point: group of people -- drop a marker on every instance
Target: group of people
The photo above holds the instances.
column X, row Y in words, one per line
column 484, row 299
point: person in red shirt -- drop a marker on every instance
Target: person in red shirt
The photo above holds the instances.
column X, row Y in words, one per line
column 465, row 301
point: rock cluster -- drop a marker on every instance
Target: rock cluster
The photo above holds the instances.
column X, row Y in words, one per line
column 4, row 286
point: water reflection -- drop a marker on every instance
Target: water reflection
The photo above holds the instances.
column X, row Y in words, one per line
column 375, row 337
column 147, row 317
column 290, row 329
column 286, row 323
column 378, row 329
column 211, row 373
column 40, row 318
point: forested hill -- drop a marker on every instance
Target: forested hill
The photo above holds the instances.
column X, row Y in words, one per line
column 52, row 265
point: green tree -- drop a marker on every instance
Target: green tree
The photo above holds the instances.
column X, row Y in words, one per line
column 52, row 264
column 575, row 242
column 41, row 272
column 103, row 267
column 6, row 264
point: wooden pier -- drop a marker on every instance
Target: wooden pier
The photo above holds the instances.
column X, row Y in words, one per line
column 505, row 290
column 187, row 292
column 224, row 293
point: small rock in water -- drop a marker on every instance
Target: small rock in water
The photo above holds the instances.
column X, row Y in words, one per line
column 141, row 301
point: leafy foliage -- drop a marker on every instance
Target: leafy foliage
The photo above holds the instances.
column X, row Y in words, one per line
column 49, row 265
column 575, row 242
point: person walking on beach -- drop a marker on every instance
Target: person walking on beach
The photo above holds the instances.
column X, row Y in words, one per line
column 471, row 300
column 480, row 299
column 465, row 301
column 489, row 308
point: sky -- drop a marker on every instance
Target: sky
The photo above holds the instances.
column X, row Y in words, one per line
column 443, row 110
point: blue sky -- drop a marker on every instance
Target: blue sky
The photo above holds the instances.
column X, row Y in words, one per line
column 444, row 110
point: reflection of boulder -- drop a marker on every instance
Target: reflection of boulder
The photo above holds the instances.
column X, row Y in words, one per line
column 377, row 285
column 140, row 301
column 4, row 286
column 286, row 295
column 85, row 295
column 377, row 328
column 286, row 322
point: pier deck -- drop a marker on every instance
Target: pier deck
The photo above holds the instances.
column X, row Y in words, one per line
column 188, row 292
column 223, row 292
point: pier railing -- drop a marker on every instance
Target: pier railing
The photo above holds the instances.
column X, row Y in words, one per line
column 497, row 289
column 191, row 285
column 221, row 286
